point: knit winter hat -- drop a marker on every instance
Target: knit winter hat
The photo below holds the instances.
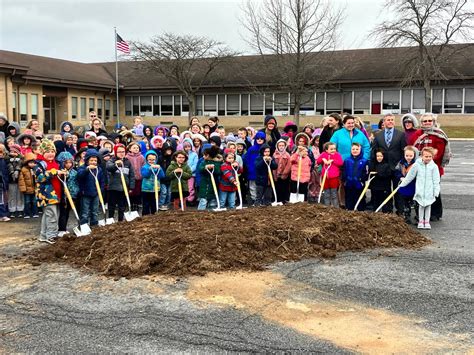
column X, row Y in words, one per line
column 240, row 141
column 47, row 146
column 216, row 139
column 15, row 148
column 117, row 146
column 63, row 156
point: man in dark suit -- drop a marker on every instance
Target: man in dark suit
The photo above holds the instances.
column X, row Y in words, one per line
column 392, row 141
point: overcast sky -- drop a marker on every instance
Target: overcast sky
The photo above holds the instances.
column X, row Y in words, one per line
column 83, row 30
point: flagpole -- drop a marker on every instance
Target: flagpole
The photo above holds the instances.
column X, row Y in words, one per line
column 116, row 76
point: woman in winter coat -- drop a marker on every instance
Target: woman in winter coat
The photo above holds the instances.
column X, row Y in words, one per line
column 410, row 124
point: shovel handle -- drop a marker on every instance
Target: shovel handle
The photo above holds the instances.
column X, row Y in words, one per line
column 125, row 189
column 323, row 182
column 389, row 197
column 70, row 200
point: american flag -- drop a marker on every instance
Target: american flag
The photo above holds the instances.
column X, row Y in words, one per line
column 122, row 45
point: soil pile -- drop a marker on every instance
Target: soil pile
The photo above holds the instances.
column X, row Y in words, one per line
column 194, row 243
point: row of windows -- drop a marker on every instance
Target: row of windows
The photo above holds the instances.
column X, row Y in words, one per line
column 80, row 107
column 23, row 106
column 398, row 101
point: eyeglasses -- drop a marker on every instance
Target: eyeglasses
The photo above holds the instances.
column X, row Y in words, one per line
column 427, row 121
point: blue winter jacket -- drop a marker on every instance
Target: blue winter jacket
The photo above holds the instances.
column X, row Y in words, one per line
column 193, row 161
column 343, row 142
column 355, row 172
column 401, row 170
column 251, row 155
column 148, row 178
column 87, row 181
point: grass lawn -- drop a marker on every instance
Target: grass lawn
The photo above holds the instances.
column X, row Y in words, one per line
column 459, row 131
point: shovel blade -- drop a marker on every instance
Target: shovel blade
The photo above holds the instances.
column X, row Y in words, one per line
column 85, row 229
column 102, row 223
column 109, row 221
column 293, row 198
column 219, row 209
column 277, row 204
column 300, row 198
column 130, row 216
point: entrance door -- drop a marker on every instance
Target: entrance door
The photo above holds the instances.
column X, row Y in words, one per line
column 49, row 108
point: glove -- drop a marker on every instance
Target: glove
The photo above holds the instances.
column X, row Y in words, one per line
column 15, row 175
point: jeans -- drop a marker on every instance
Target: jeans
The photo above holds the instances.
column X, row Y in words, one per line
column 89, row 210
column 204, row 202
column 351, row 197
column 31, row 209
column 330, row 197
column 165, row 194
column 227, row 197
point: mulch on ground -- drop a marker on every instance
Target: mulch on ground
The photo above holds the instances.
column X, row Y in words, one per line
column 194, row 243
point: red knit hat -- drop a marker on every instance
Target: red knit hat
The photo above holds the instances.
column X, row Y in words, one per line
column 117, row 146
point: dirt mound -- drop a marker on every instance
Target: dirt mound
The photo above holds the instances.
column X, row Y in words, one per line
column 179, row 244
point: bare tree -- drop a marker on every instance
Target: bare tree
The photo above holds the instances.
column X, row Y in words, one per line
column 186, row 61
column 433, row 26
column 293, row 33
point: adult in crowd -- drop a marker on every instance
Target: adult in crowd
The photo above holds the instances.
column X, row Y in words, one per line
column 344, row 137
column 410, row 126
column 213, row 122
column 331, row 124
column 4, row 124
column 392, row 141
column 88, row 126
column 431, row 135
column 34, row 126
column 272, row 135
column 98, row 127
column 14, row 129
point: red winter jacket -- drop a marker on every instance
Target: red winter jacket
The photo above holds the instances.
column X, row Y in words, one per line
column 425, row 139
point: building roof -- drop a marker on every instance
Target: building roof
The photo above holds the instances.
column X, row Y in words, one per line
column 352, row 67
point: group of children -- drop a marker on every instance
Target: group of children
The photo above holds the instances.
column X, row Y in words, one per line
column 158, row 168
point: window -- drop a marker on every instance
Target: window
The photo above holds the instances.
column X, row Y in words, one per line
column 244, row 104
column 167, row 105
column 333, row 102
column 347, row 102
column 34, row 106
column 221, row 102
column 128, row 105
column 453, row 101
column 233, row 104
column 361, row 102
column 145, row 106
column 391, row 101
column 419, row 101
column 23, row 108
column 376, row 107
column 184, row 104
column 14, row 106
column 307, row 102
column 469, row 101
column 320, row 103
column 107, row 109
column 136, row 106
column 156, row 105
column 177, row 105
column 281, row 102
column 437, row 101
column 91, row 105
column 74, row 108
column 83, row 107
column 99, row 108
column 268, row 104
column 406, row 101
column 198, row 105
column 256, row 104
column 210, row 103
column 114, row 108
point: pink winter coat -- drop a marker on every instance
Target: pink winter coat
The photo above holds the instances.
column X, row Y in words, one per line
column 335, row 169
column 137, row 160
column 305, row 168
column 284, row 166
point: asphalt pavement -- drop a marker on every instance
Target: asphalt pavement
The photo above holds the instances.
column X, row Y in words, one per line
column 412, row 300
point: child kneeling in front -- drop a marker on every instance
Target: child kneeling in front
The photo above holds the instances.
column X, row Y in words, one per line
column 427, row 186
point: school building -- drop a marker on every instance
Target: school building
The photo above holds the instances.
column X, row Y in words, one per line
column 369, row 85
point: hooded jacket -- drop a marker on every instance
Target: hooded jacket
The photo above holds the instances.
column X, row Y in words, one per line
column 26, row 182
column 71, row 179
column 187, row 174
column 335, row 168
column 271, row 137
column 251, row 155
column 115, row 182
column 427, row 186
column 283, row 162
column 148, row 174
column 16, row 126
column 436, row 138
column 86, row 180
column 382, row 180
column 355, row 172
column 261, row 168
column 48, row 186
column 401, row 170
column 410, row 133
column 61, row 127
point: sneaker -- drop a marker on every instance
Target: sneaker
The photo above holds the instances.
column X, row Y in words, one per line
column 421, row 224
column 5, row 219
column 26, row 217
column 36, row 216
column 427, row 225
column 61, row 234
column 12, row 215
column 46, row 240
column 163, row 208
column 19, row 214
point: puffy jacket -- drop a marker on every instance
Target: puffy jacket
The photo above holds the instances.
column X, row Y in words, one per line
column 283, row 165
column 382, row 180
column 226, row 182
column 3, row 175
column 26, row 182
column 427, row 186
column 14, row 167
column 87, row 181
column 193, row 161
column 335, row 169
column 401, row 170
column 137, row 160
column 205, row 187
column 344, row 142
column 305, row 167
column 355, row 172
column 148, row 176
column 115, row 182
column 187, row 174
column 48, row 186
column 251, row 155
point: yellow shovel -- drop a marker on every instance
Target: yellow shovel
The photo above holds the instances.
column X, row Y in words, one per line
column 106, row 220
column 213, row 181
column 388, row 198
column 272, row 182
column 180, row 189
column 323, row 182
column 156, row 188
column 83, row 229
column 130, row 215
column 367, row 183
